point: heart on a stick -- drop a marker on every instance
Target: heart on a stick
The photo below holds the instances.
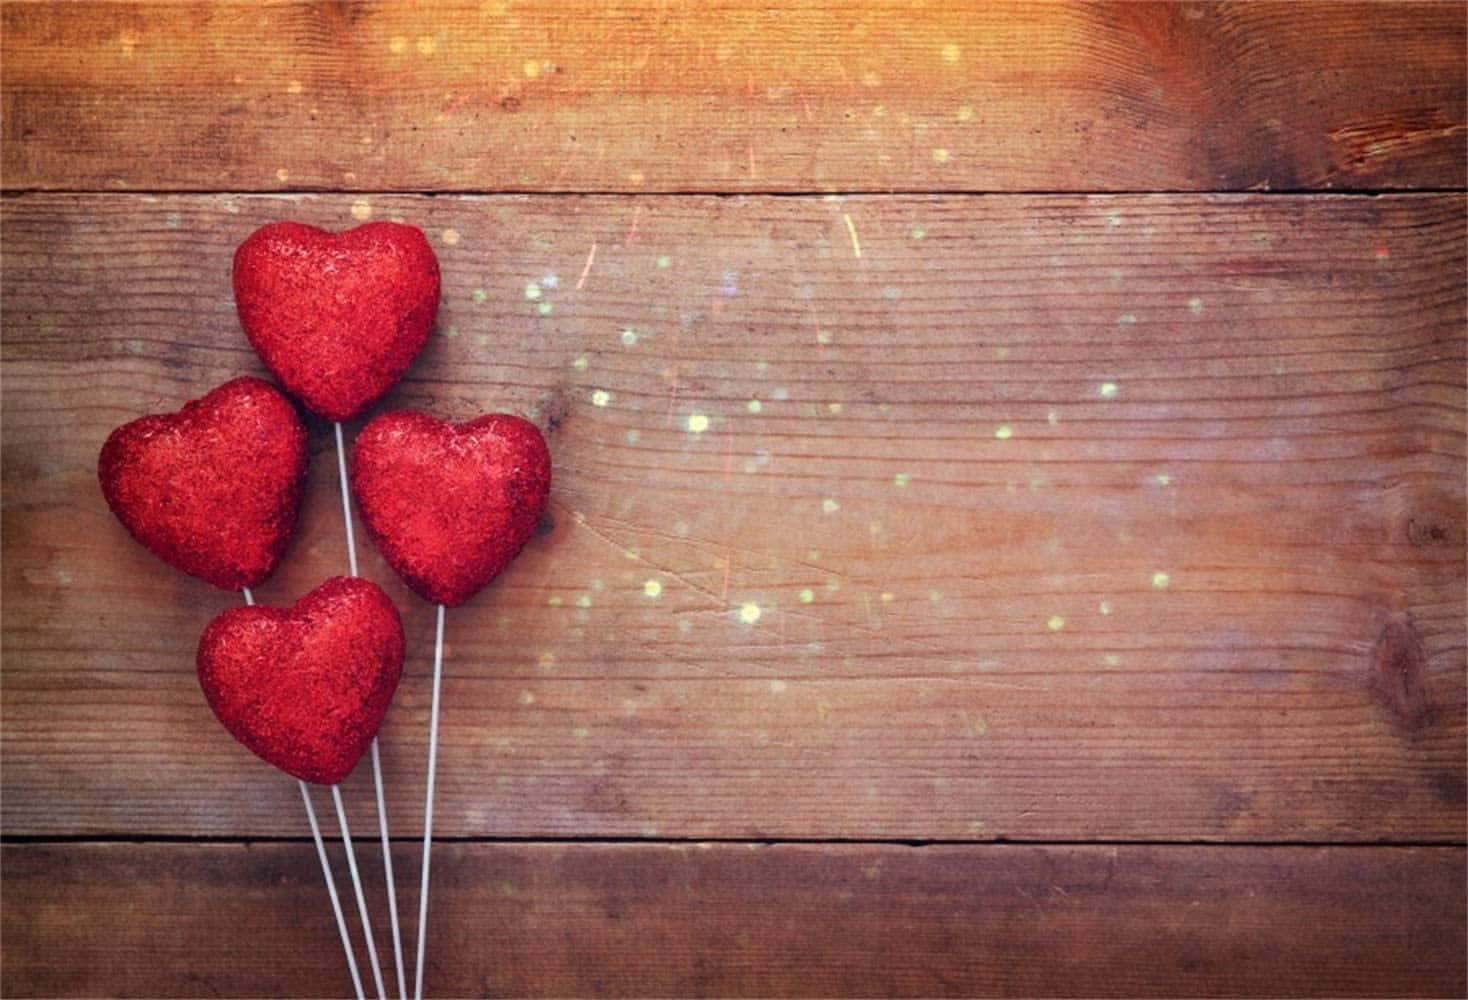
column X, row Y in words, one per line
column 449, row 506
column 338, row 317
column 215, row 488
column 306, row 687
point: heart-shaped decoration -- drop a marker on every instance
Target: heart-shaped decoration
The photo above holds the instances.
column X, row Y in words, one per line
column 306, row 687
column 338, row 317
column 449, row 506
column 215, row 488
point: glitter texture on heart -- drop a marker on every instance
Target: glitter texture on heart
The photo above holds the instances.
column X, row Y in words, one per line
column 307, row 687
column 450, row 506
column 214, row 489
column 337, row 317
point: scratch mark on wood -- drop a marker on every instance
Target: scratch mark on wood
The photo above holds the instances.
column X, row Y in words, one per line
column 1386, row 136
column 851, row 228
column 587, row 269
column 606, row 538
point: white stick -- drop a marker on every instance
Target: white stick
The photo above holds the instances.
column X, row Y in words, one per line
column 336, row 906
column 341, row 818
column 392, row 893
column 428, row 803
column 341, row 468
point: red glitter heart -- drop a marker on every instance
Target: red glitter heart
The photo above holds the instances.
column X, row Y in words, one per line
column 213, row 489
column 449, row 506
column 338, row 317
column 306, row 688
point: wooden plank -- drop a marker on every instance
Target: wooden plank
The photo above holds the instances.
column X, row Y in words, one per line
column 1050, row 518
column 732, row 97
column 86, row 919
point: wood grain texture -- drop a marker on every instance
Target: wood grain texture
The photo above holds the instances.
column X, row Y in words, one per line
column 1028, row 517
column 737, row 920
column 731, row 97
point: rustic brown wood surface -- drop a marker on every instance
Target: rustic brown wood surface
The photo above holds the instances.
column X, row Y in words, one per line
column 1027, row 506
column 1130, row 525
column 703, row 919
column 733, row 97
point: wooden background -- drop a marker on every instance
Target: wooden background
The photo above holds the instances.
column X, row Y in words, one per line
column 1008, row 526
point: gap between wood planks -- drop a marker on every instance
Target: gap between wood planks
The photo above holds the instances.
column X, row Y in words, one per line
column 852, row 193
column 29, row 840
